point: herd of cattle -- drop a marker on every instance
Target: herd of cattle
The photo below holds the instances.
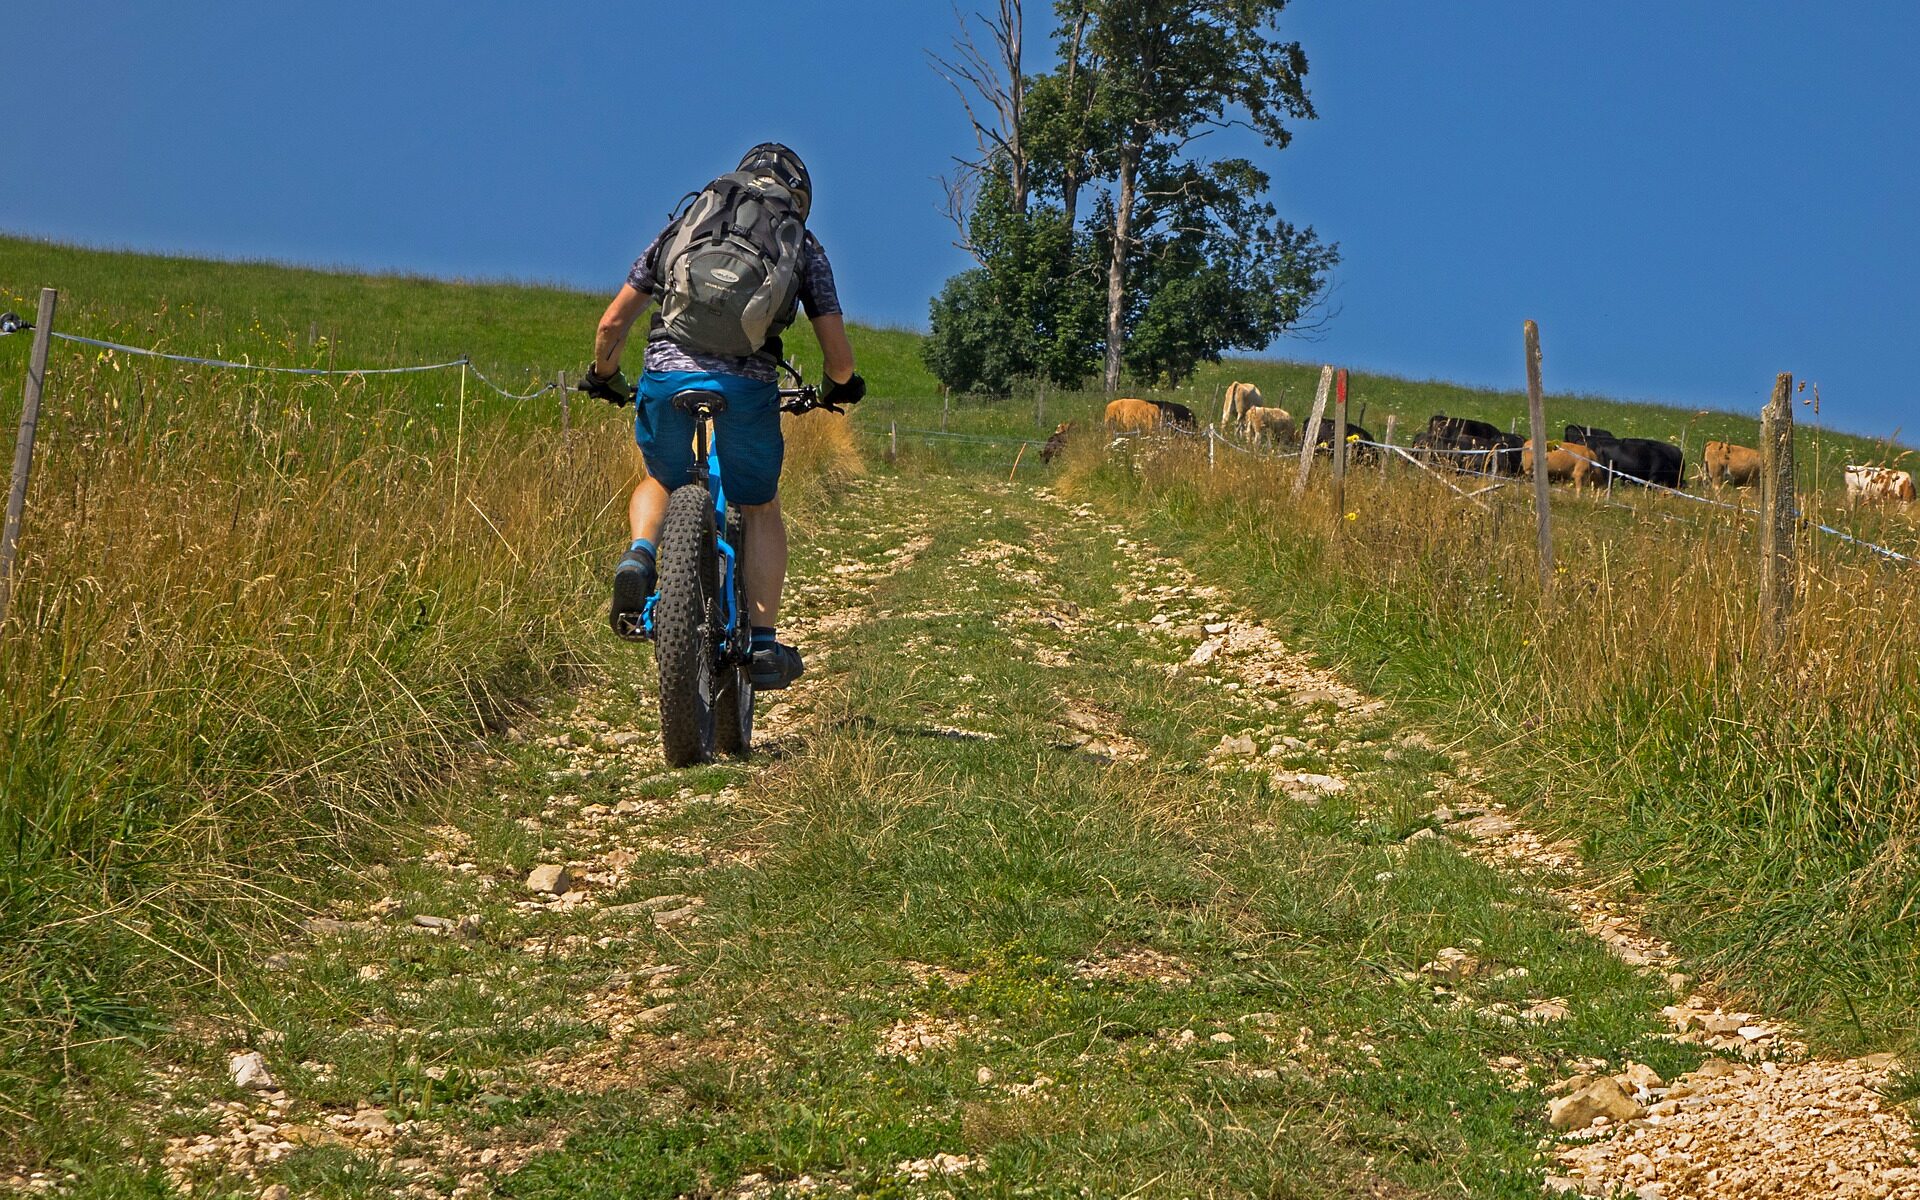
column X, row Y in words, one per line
column 1585, row 456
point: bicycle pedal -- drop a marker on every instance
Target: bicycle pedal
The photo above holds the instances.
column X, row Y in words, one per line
column 631, row 626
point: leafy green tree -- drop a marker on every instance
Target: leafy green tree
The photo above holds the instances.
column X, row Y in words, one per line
column 1179, row 258
column 1214, row 268
column 1032, row 310
column 1171, row 71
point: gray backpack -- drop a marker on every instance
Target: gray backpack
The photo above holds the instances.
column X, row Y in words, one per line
column 730, row 267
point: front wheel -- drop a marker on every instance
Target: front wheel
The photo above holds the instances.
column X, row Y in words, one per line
column 733, row 704
column 683, row 627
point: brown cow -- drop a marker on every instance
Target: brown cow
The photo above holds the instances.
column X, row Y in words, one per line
column 1240, row 398
column 1565, row 461
column 1057, row 444
column 1133, row 416
column 1877, row 485
column 1273, row 426
column 1728, row 463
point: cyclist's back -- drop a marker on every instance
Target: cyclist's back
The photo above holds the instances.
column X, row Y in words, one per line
column 731, row 272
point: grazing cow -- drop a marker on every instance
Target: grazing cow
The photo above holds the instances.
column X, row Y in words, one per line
column 1728, row 463
column 1057, row 443
column 1132, row 416
column 1878, row 485
column 1450, row 429
column 1240, row 398
column 1177, row 415
column 1273, row 426
column 1323, row 443
column 1586, row 435
column 1643, row 459
column 1566, row 461
column 1468, row 445
column 1507, row 448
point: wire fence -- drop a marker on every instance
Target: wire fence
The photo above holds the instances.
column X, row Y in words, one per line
column 1498, row 481
column 224, row 364
column 893, row 431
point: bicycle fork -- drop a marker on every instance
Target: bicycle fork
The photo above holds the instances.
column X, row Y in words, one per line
column 730, row 564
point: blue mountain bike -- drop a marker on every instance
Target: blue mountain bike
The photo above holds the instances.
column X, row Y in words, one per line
column 697, row 616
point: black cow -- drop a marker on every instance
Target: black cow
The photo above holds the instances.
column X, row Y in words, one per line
column 1476, row 447
column 1451, row 429
column 1505, row 459
column 1323, row 443
column 1177, row 415
column 1641, row 458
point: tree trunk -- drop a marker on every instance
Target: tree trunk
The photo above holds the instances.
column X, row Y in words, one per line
column 1117, row 267
column 1070, row 184
column 1011, row 23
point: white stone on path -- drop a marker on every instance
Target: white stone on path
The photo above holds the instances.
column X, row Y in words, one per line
column 249, row 1071
column 550, row 879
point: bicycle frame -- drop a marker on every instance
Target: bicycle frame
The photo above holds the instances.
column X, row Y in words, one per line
column 706, row 456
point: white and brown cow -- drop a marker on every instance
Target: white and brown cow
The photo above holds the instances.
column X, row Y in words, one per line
column 1878, row 485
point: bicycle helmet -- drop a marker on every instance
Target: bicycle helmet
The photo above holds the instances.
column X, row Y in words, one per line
column 783, row 165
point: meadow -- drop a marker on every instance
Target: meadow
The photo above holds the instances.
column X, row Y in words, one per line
column 260, row 616
column 1765, row 805
column 257, row 613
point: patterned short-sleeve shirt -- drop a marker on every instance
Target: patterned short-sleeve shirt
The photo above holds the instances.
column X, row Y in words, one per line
column 818, row 297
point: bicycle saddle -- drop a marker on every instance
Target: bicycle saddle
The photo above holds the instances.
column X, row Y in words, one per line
column 700, row 402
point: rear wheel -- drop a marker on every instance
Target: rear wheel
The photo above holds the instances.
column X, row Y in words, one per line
column 733, row 703
column 683, row 628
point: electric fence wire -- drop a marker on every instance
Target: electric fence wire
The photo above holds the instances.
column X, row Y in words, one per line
column 978, row 439
column 230, row 365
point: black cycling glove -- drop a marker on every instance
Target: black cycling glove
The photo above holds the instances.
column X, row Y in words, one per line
column 853, row 391
column 611, row 388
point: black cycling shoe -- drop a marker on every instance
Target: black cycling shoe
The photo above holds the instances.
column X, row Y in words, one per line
column 774, row 667
column 633, row 582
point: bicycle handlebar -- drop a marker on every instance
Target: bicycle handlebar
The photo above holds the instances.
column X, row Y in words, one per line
column 804, row 398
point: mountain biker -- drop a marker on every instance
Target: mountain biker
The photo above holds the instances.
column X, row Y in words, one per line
column 747, row 430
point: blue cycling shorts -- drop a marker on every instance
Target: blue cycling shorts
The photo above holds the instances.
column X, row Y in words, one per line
column 747, row 435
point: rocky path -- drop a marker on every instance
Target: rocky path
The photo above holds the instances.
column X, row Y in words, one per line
column 1760, row 1118
column 1060, row 874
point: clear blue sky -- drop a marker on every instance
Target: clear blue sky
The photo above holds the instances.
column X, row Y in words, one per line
column 1689, row 196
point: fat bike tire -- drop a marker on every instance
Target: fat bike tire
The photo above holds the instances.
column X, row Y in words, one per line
column 684, row 628
column 733, row 699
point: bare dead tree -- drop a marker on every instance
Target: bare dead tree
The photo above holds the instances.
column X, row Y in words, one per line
column 992, row 90
column 1071, row 175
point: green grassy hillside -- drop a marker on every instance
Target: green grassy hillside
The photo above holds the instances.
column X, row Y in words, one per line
column 519, row 334
column 1372, row 397
column 256, row 613
column 259, row 615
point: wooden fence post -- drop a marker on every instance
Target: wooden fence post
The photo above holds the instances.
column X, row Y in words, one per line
column 1537, row 424
column 1393, row 420
column 459, row 446
column 1313, row 431
column 1777, row 515
column 893, row 441
column 1340, row 448
column 946, row 400
column 23, row 447
column 1209, row 447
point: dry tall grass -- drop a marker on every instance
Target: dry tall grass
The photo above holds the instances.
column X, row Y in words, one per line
column 255, row 615
column 1772, row 800
column 823, row 456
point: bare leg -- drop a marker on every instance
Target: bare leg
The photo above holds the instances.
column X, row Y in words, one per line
column 647, row 511
column 766, row 565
